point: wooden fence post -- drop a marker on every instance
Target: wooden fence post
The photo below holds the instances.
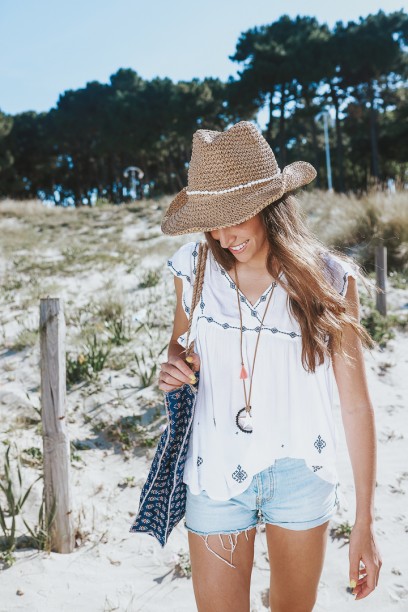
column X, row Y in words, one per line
column 57, row 485
column 381, row 276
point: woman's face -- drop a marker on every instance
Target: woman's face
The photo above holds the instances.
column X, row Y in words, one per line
column 249, row 236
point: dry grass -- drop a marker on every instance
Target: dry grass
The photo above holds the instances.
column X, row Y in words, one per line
column 51, row 250
column 357, row 225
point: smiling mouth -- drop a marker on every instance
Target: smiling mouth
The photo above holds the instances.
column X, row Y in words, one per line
column 239, row 247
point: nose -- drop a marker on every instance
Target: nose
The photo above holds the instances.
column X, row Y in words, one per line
column 226, row 237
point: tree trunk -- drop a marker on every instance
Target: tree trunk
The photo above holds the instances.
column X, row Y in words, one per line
column 282, row 144
column 339, row 141
column 270, row 121
column 313, row 129
column 375, row 166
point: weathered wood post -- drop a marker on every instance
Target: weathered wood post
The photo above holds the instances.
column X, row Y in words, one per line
column 381, row 278
column 57, row 485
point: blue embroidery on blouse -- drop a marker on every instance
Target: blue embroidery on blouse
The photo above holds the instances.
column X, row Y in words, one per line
column 320, row 443
column 199, row 461
column 242, row 296
column 239, row 475
column 274, row 330
column 186, row 308
column 254, row 313
column 178, row 272
column 316, row 467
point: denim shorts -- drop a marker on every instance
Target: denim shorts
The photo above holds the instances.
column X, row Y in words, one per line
column 287, row 493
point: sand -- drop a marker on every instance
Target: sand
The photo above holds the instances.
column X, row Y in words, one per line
column 110, row 568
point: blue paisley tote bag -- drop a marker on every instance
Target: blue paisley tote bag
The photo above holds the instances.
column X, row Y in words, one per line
column 163, row 497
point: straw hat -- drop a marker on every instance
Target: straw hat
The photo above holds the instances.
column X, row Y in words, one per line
column 232, row 176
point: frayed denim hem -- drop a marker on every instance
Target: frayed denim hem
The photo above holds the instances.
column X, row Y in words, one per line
column 230, row 535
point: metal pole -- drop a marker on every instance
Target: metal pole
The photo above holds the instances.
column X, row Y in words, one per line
column 328, row 161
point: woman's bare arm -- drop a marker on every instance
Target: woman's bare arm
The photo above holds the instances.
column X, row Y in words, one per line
column 357, row 412
column 175, row 371
column 359, row 426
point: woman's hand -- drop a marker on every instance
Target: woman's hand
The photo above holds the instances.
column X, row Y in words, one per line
column 363, row 547
column 176, row 372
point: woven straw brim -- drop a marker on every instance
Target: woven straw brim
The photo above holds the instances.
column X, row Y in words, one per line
column 203, row 213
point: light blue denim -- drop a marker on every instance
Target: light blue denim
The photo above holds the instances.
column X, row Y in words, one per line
column 287, row 493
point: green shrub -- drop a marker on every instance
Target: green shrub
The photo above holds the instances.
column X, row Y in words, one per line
column 379, row 327
column 15, row 500
column 150, row 279
column 97, row 353
column 128, row 432
column 77, row 369
column 120, row 330
column 146, row 366
column 32, row 456
column 89, row 363
column 342, row 532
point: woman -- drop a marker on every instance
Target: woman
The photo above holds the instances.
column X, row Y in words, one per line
column 263, row 441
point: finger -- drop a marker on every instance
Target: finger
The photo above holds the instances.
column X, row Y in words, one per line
column 180, row 364
column 359, row 586
column 371, row 576
column 179, row 376
column 367, row 585
column 194, row 360
column 354, row 571
column 170, row 380
column 364, row 591
column 167, row 388
column 360, row 582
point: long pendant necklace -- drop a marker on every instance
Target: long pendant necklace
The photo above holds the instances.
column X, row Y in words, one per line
column 243, row 418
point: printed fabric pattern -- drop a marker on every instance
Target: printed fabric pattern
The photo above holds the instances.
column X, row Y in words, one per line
column 162, row 502
column 293, row 409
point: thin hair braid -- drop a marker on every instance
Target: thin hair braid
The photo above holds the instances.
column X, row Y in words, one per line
column 198, row 285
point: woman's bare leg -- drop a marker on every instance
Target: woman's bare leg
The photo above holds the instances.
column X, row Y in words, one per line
column 296, row 561
column 219, row 587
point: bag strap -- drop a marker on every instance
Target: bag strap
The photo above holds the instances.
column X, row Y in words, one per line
column 197, row 288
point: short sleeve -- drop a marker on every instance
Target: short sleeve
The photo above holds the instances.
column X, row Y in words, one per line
column 338, row 271
column 183, row 263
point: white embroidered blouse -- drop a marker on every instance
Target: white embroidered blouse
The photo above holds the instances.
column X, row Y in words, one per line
column 291, row 408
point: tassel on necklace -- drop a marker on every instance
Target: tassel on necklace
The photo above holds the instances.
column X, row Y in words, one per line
column 243, row 372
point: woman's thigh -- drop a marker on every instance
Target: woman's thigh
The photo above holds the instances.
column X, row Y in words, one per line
column 218, row 586
column 221, row 540
column 297, row 514
column 296, row 562
column 295, row 504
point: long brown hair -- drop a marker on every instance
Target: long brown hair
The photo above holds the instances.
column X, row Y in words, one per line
column 317, row 306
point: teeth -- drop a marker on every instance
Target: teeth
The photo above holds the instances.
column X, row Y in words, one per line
column 240, row 246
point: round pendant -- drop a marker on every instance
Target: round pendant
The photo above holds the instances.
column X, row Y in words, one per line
column 244, row 420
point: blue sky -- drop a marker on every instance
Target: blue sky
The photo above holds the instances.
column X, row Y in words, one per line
column 49, row 46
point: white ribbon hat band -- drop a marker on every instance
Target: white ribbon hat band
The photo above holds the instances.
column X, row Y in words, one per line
column 250, row 184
